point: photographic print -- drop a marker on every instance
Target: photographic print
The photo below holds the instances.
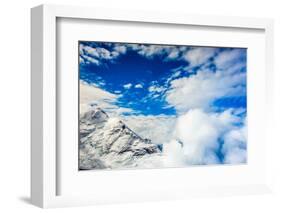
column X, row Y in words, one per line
column 161, row 106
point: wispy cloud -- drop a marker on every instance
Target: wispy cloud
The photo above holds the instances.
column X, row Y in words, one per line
column 93, row 96
column 89, row 60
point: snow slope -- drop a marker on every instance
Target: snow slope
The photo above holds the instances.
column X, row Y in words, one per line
column 107, row 143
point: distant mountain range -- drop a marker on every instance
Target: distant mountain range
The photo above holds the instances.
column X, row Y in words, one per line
column 107, row 143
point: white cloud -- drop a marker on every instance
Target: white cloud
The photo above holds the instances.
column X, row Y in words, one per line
column 90, row 60
column 234, row 148
column 122, row 49
column 150, row 51
column 104, row 53
column 175, row 73
column 89, row 50
column 127, row 86
column 201, row 89
column 96, row 54
column 155, row 88
column 92, row 96
column 81, row 60
column 199, row 55
column 133, row 46
column 173, row 54
column 200, row 133
column 138, row 86
column 229, row 58
column 173, row 154
column 157, row 128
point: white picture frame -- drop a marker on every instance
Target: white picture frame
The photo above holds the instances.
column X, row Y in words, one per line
column 44, row 149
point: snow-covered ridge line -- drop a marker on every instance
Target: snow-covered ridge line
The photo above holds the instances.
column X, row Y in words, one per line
column 109, row 143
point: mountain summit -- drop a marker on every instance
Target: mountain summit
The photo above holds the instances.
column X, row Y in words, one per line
column 109, row 143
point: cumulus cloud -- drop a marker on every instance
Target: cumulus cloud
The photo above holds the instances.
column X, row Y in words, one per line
column 96, row 55
column 96, row 52
column 199, row 55
column 235, row 146
column 229, row 58
column 201, row 134
column 155, row 88
column 122, row 49
column 173, row 154
column 127, row 86
column 150, row 51
column 203, row 88
column 194, row 56
column 138, row 86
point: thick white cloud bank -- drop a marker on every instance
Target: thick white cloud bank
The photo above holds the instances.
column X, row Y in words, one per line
column 235, row 147
column 201, row 135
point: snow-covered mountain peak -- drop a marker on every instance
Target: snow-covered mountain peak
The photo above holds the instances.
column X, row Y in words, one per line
column 108, row 143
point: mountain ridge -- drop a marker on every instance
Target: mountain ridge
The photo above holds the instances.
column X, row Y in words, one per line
column 107, row 143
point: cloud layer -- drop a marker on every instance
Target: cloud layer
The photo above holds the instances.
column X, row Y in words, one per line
column 159, row 129
column 205, row 136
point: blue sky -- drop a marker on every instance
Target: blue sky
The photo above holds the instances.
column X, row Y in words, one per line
column 144, row 76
